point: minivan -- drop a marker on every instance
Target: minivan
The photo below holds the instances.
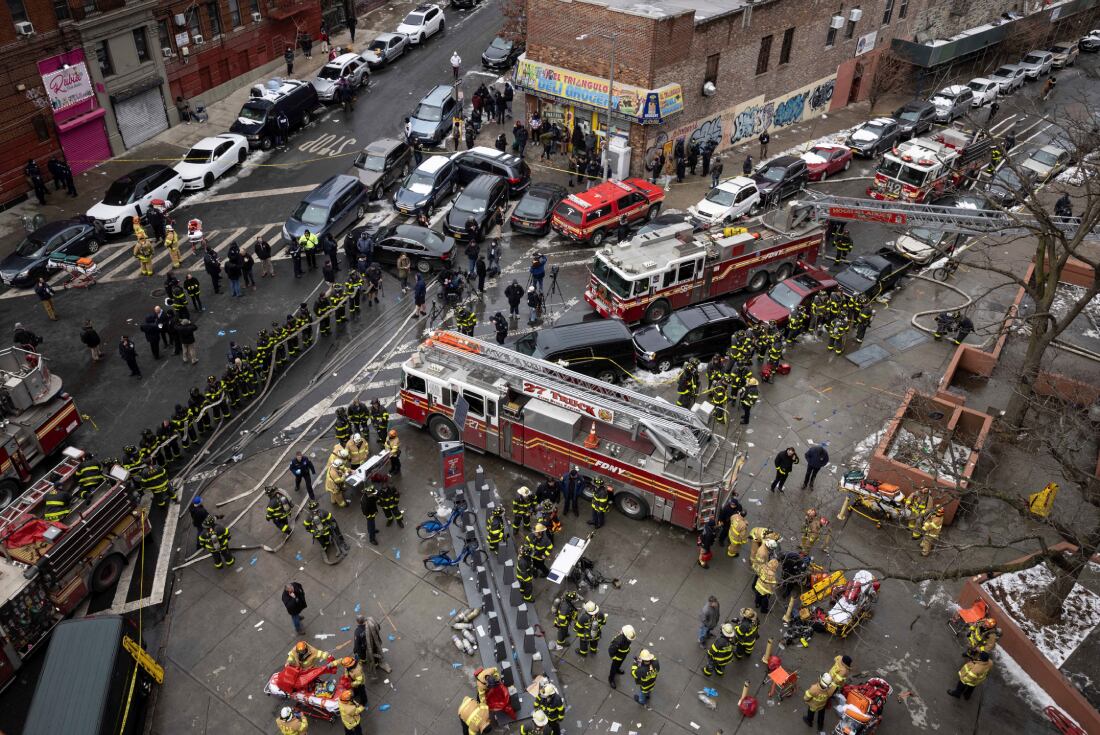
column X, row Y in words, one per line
column 331, row 208
column 952, row 102
column 602, row 349
column 434, row 116
column 256, row 120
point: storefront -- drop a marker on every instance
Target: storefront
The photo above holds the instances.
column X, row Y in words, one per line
column 77, row 115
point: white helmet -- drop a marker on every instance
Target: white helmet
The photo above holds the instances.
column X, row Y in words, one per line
column 540, row 718
column 286, row 713
column 337, row 462
column 771, row 543
column 524, row 491
column 548, row 690
column 357, row 437
column 826, row 680
column 591, row 608
column 344, row 454
column 645, row 655
column 628, row 631
column 727, row 630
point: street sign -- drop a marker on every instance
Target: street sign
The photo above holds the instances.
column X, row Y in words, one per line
column 452, row 457
column 144, row 660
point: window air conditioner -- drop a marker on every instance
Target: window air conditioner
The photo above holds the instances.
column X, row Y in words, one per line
column 256, row 17
column 184, row 51
column 181, row 19
column 23, row 28
column 837, row 21
column 855, row 14
column 199, row 40
column 166, row 52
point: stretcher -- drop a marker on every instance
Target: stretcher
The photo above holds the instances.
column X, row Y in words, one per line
column 849, row 605
column 82, row 271
column 876, row 501
column 863, row 707
column 822, row 582
column 965, row 617
column 314, row 694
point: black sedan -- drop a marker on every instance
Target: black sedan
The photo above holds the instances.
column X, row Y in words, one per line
column 31, row 258
column 532, row 214
column 695, row 331
column 1010, row 185
column 426, row 248
column 501, row 54
column 780, row 178
column 872, row 275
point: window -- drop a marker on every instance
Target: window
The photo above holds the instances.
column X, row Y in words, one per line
column 416, row 384
column 477, row 403
column 850, row 29
column 215, row 19
column 235, row 12
column 141, row 45
column 194, row 25
column 888, row 12
column 163, row 35
column 687, row 271
column 712, row 69
column 764, row 56
column 903, row 9
column 103, row 56
column 830, row 37
column 255, row 5
column 18, row 12
column 785, row 49
column 61, row 9
column 669, row 278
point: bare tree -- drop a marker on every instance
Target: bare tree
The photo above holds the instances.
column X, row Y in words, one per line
column 892, row 74
column 515, row 19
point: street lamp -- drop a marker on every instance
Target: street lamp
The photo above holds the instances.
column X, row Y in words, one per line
column 610, row 93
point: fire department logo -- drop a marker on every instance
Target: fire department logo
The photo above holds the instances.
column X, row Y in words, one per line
column 604, row 415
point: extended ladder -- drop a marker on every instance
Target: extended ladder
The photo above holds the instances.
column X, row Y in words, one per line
column 945, row 219
column 677, row 426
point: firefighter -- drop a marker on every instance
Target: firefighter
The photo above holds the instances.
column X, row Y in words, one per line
column 321, row 309
column 687, row 384
column 393, row 446
column 547, row 515
column 565, row 612
column 335, row 476
column 931, row 529
column 813, row 528
column 215, row 397
column 541, row 547
column 841, row 669
column 738, row 533
column 996, row 156
column 965, row 327
column 278, row 343
column 588, row 625
column 389, row 500
column 379, row 419
column 715, row 370
column 278, row 509
column 494, row 528
column 304, row 656
column 601, row 502
column 292, row 722
column 842, row 241
column 749, row 396
column 837, row 329
column 232, row 386
column 522, row 505
column 946, row 321
column 720, row 652
column 342, row 426
column 353, row 669
column 818, row 312
column 147, row 444
column 58, row 503
column 719, row 397
column 215, row 540
column 765, row 585
column 971, row 675
column 764, row 540
column 89, row 475
column 351, row 713
column 154, row 479
column 263, row 351
column 817, row 699
column 305, row 325
column 246, row 377
column 465, row 321
column 982, row 635
column 131, row 460
column 618, row 650
column 644, row 672
column 353, row 287
column 358, row 417
column 181, row 423
column 525, row 573
column 540, row 724
column 745, row 633
column 917, row 504
column 775, row 354
column 551, row 703
column 369, row 505
column 358, row 450
column 863, row 318
column 317, row 523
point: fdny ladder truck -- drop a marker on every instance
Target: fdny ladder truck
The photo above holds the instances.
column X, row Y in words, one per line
column 661, row 460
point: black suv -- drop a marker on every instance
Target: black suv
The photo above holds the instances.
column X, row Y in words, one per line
column 426, row 187
column 532, row 214
column 780, row 178
column 482, row 160
column 382, row 164
column 695, row 331
column 483, row 201
column 914, row 118
column 601, row 348
column 871, row 138
column 501, row 54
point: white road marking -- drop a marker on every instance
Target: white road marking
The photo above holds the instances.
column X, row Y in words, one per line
column 261, row 193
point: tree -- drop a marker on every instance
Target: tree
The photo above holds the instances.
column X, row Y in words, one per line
column 892, row 74
column 515, row 19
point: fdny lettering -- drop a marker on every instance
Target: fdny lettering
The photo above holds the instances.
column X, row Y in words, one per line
column 600, row 464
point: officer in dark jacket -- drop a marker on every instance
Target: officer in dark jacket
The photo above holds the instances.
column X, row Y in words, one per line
column 784, row 462
column 514, row 294
column 500, row 325
column 572, row 485
column 816, row 458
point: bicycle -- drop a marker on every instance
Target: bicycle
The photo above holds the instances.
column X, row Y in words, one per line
column 432, row 527
column 946, row 270
column 471, row 554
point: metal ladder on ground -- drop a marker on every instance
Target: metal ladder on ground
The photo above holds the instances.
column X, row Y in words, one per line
column 664, row 421
column 10, row 516
column 945, row 219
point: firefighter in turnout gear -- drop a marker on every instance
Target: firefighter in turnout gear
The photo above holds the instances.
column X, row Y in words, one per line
column 522, row 506
column 147, row 444
column 389, row 500
column 495, row 528
column 588, row 625
column 358, row 417
column 465, row 321
column 842, row 241
column 837, row 329
column 745, row 634
column 720, row 652
column 342, row 426
column 291, row 722
column 601, row 502
column 321, row 309
column 750, row 394
column 154, row 480
column 551, row 703
column 819, row 309
column 687, row 384
column 796, row 324
column 863, row 319
column 358, row 450
column 290, row 332
column 215, row 397
column 278, row 510
column 278, row 346
column 181, row 423
column 931, row 528
column 319, row 524
column 89, row 476
column 982, row 636
column 541, row 546
column 565, row 611
column 525, row 574
column 917, row 505
column 58, row 503
column 393, row 446
column 644, row 672
column 379, row 419
column 738, row 534
column 719, row 397
column 131, row 458
column 215, row 540
column 369, row 505
column 971, row 675
column 305, row 325
column 618, row 650
column 335, row 476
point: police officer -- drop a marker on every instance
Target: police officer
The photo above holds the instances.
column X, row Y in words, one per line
column 500, row 326
column 618, row 651
column 494, row 528
column 308, row 242
column 215, row 540
column 278, row 509
column 572, row 486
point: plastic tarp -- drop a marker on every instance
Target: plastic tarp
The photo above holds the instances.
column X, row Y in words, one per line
column 30, row 532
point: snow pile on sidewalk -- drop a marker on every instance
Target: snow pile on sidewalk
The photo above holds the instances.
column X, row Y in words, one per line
column 1057, row 642
column 861, row 453
column 1076, row 175
column 643, row 377
column 924, row 453
column 1023, row 684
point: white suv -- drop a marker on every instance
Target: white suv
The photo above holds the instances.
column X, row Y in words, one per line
column 985, row 90
column 731, row 199
column 425, row 21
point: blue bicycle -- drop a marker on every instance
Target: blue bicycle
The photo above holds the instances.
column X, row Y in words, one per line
column 471, row 554
column 432, row 527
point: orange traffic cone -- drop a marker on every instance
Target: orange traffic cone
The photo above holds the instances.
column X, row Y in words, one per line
column 592, row 441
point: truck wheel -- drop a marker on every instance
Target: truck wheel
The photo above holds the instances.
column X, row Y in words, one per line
column 106, row 573
column 631, row 506
column 784, row 272
column 608, row 375
column 656, row 311
column 597, row 238
column 442, row 428
column 9, row 491
column 759, row 281
column 652, row 213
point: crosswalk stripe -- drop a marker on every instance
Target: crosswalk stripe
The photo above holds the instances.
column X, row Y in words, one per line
column 223, row 245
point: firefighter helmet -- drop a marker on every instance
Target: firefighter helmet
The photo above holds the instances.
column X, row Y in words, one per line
column 345, row 696
column 591, row 607
column 628, row 631
column 498, row 511
column 393, row 433
column 313, row 505
column 645, row 655
column 357, row 437
column 208, row 522
column 539, row 718
column 343, row 454
column 347, row 661
column 286, row 714
column 341, row 413
column 727, row 630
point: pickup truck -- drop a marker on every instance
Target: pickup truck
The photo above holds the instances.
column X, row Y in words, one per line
column 871, row 276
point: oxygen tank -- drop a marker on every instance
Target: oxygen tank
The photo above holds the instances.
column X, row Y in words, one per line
column 468, row 648
column 469, row 635
column 458, row 643
column 462, row 626
column 470, row 615
column 707, row 701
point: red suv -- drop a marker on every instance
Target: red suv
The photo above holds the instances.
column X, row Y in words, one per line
column 590, row 216
column 777, row 305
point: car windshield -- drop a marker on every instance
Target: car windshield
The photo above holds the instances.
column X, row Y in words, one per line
column 865, row 270
column 377, row 45
column 911, row 175
column 909, row 116
column 978, row 86
column 1033, row 59
column 569, row 213
column 606, row 275
column 119, row 193
column 532, row 206
column 428, row 112
column 421, row 179
column 29, row 247
column 328, row 72
column 774, row 173
column 1061, row 49
column 198, row 155
column 1006, row 178
column 527, row 344
column 500, row 44
column 721, row 197
column 413, row 19
column 925, row 235
column 469, row 204
column 253, row 114
column 785, row 296
column 939, row 101
column 1005, row 72
column 673, row 329
column 370, row 162
column 311, row 214
column 1045, row 157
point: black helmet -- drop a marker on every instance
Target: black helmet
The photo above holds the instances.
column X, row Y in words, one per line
column 313, row 505
column 270, row 490
column 129, row 449
column 263, row 334
column 211, row 379
column 498, row 510
column 179, row 408
column 208, row 522
column 341, row 413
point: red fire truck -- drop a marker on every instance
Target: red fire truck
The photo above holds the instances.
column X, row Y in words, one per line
column 671, row 267
column 48, row 568
column 35, row 417
column 925, row 168
column 661, row 460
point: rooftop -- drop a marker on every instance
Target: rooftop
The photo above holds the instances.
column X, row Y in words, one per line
column 703, row 10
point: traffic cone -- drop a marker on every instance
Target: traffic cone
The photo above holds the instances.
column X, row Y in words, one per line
column 592, row 441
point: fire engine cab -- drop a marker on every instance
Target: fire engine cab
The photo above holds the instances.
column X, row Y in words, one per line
column 660, row 460
column 672, row 267
column 924, row 168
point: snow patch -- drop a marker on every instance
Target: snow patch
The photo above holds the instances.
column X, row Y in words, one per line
column 1023, row 684
column 644, row 377
column 861, row 453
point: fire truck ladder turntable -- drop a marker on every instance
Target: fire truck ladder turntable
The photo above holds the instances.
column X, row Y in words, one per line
column 945, row 219
column 12, row 516
column 665, row 423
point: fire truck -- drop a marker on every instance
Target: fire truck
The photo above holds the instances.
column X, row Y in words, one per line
column 925, row 168
column 661, row 460
column 36, row 417
column 671, row 267
column 47, row 568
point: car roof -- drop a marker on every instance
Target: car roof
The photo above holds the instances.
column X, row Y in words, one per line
column 737, row 183
column 210, row 141
column 1013, row 67
column 342, row 60
column 1049, row 148
column 383, row 145
column 329, row 189
column 1039, row 51
column 486, row 152
column 52, row 228
column 566, row 336
column 880, row 121
column 546, row 189
column 915, row 105
column 698, row 314
column 953, row 89
column 808, row 281
column 388, row 36
column 981, row 80
column 483, row 184
column 438, row 94
column 140, row 174
column 785, row 161
column 432, row 164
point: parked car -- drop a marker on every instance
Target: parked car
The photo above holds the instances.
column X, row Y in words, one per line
column 426, row 248
column 434, row 116
column 1009, row 186
column 1009, row 77
column 1090, row 42
column 777, row 305
column 1065, row 54
column 532, row 213
column 295, row 98
column 132, row 195
column 426, row 187
column 914, row 118
column 1047, row 162
column 826, row 159
column 1037, row 63
column 423, row 23
column 985, row 91
column 501, row 54
column 780, row 178
column 382, row 164
column 483, row 200
column 951, row 102
column 923, row 245
column 872, row 138
column 590, row 216
column 730, row 200
column 385, row 48
column 31, row 257
column 870, row 276
column 335, row 205
column 464, row 4
column 600, row 348
column 210, row 158
column 694, row 331
column 351, row 67
column 480, row 160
